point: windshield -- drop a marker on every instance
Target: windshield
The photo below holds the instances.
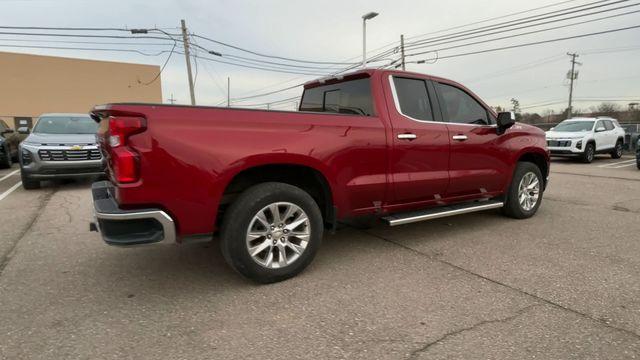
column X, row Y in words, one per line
column 66, row 125
column 571, row 126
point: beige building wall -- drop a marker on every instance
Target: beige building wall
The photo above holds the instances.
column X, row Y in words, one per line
column 33, row 84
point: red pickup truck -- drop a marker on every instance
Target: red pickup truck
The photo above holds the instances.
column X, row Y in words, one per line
column 400, row 146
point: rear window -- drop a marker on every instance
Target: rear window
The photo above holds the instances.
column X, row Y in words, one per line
column 349, row 97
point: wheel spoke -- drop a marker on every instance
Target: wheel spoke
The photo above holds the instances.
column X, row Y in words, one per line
column 282, row 255
column 275, row 212
column 260, row 247
column 289, row 212
column 296, row 248
column 269, row 260
column 262, row 219
column 300, row 235
column 302, row 218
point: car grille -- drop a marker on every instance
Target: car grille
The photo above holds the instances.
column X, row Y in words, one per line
column 69, row 155
column 559, row 143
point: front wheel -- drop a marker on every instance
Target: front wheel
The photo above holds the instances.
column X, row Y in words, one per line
column 617, row 151
column 589, row 153
column 271, row 232
column 28, row 183
column 525, row 192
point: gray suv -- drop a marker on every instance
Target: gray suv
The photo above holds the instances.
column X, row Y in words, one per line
column 60, row 146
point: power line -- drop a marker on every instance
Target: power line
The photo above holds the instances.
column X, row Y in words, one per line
column 86, row 49
column 269, row 56
column 535, row 31
column 493, row 18
column 82, row 35
column 175, row 43
column 532, row 43
column 515, row 22
column 86, row 42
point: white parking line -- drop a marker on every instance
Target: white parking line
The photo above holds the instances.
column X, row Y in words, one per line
column 624, row 165
column 9, row 175
column 12, row 189
column 613, row 165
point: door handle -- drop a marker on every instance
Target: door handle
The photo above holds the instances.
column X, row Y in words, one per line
column 459, row 137
column 407, row 136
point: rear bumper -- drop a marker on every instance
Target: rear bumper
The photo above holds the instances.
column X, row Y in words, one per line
column 128, row 227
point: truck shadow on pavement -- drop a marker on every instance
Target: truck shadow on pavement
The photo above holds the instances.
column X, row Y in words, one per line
column 176, row 270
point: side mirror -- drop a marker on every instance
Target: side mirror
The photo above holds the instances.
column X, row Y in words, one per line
column 505, row 120
column 600, row 129
column 23, row 130
column 551, row 128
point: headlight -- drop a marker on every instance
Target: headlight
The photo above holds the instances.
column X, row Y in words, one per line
column 26, row 157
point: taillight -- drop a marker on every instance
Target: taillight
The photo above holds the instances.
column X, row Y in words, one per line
column 120, row 128
column 124, row 160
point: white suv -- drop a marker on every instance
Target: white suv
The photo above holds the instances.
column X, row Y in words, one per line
column 585, row 137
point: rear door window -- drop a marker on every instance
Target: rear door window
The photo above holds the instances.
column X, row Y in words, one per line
column 460, row 107
column 608, row 125
column 348, row 97
column 413, row 98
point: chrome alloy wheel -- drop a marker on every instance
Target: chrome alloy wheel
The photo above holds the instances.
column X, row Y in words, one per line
column 278, row 234
column 529, row 191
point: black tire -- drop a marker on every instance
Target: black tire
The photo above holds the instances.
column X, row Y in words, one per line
column 7, row 161
column 638, row 164
column 512, row 206
column 29, row 184
column 617, row 151
column 237, row 220
column 589, row 153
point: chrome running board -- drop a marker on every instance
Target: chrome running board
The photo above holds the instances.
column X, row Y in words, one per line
column 440, row 212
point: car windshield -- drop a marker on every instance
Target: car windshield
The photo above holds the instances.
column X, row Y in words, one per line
column 66, row 125
column 571, row 126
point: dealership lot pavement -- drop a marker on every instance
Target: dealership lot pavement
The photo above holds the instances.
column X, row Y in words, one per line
column 562, row 285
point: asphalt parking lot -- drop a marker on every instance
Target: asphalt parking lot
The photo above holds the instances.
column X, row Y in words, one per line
column 562, row 285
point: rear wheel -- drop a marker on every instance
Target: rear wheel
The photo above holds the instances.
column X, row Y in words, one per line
column 589, row 153
column 617, row 151
column 525, row 192
column 271, row 232
column 29, row 184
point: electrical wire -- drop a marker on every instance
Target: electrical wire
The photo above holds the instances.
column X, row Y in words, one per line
column 175, row 43
column 539, row 30
column 536, row 31
column 533, row 43
column 269, row 56
column 86, row 49
column 520, row 21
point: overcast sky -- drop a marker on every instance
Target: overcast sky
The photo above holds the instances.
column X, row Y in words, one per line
column 332, row 31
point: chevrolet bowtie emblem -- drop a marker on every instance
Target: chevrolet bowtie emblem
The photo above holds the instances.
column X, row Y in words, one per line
column 76, row 147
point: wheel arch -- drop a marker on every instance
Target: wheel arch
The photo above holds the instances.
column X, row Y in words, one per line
column 301, row 174
column 539, row 159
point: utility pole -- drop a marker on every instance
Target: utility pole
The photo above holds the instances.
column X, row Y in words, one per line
column 402, row 51
column 228, row 91
column 572, row 75
column 172, row 100
column 185, row 41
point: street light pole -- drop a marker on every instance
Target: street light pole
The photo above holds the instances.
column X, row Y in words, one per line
column 365, row 17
